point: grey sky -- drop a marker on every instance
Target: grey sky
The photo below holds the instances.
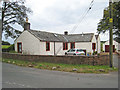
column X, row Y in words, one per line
column 61, row 15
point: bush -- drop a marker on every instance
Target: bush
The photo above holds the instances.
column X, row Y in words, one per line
column 5, row 43
column 11, row 48
column 98, row 54
column 94, row 53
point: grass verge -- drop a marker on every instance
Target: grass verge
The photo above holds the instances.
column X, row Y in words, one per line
column 62, row 67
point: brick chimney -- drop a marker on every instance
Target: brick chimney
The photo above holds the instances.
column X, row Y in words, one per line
column 27, row 25
column 66, row 33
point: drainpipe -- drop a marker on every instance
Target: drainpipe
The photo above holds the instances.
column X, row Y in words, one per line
column 54, row 49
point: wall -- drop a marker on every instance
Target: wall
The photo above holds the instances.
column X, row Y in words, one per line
column 98, row 45
column 59, row 48
column 90, row 60
column 84, row 45
column 43, row 49
column 29, row 46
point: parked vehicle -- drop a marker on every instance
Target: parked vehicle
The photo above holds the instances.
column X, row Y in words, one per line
column 75, row 52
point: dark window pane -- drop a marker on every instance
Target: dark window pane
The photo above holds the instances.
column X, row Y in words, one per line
column 47, row 46
column 65, row 46
column 19, row 47
column 93, row 46
column 79, row 50
column 72, row 50
column 72, row 45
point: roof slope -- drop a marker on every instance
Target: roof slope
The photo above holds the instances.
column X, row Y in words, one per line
column 47, row 36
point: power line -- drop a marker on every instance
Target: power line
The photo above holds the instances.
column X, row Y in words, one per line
column 80, row 20
column 83, row 16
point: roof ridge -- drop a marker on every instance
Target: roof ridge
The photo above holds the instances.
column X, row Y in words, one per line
column 81, row 34
column 60, row 34
column 46, row 32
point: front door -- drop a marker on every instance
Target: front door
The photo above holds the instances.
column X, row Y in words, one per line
column 19, row 46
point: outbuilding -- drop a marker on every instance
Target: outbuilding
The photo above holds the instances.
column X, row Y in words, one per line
column 116, row 46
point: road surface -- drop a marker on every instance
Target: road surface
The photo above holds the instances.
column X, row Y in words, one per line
column 22, row 77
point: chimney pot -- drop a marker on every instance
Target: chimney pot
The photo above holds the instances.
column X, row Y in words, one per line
column 66, row 33
column 27, row 24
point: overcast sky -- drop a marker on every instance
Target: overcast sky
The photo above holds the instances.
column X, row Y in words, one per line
column 62, row 15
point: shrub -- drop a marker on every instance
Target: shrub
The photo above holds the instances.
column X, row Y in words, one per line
column 11, row 48
column 94, row 53
column 5, row 43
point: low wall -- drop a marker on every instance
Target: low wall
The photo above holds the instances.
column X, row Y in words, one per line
column 89, row 60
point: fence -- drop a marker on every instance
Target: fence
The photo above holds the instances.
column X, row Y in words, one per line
column 89, row 60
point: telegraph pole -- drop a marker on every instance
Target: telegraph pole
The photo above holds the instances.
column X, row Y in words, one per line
column 110, row 34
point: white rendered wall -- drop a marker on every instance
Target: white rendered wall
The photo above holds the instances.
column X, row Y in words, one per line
column 30, row 44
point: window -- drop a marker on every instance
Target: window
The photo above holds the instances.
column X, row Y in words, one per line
column 47, row 46
column 93, row 46
column 69, row 50
column 72, row 45
column 72, row 50
column 19, row 46
column 65, row 46
column 79, row 50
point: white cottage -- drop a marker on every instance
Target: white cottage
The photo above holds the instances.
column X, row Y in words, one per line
column 45, row 43
column 116, row 46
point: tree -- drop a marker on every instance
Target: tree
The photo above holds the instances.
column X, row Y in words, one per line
column 5, row 43
column 13, row 13
column 104, row 24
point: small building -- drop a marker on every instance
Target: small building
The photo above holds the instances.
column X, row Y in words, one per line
column 116, row 46
column 45, row 43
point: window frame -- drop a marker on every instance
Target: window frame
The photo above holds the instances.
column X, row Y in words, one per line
column 93, row 46
column 48, row 49
column 71, row 45
column 65, row 46
column 18, row 47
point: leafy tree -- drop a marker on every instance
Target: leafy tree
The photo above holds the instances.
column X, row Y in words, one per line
column 5, row 43
column 13, row 13
column 104, row 24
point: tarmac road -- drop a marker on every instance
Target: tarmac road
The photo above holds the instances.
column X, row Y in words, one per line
column 22, row 77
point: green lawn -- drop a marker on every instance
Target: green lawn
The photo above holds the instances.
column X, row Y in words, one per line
column 5, row 46
column 62, row 67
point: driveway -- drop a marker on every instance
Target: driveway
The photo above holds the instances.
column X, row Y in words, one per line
column 22, row 77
